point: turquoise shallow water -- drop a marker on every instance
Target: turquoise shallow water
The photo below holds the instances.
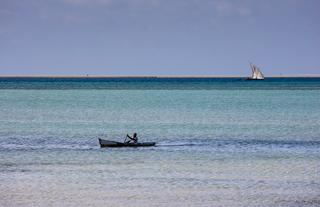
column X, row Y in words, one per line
column 220, row 142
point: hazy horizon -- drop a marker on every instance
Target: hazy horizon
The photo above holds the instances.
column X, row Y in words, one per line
column 52, row 74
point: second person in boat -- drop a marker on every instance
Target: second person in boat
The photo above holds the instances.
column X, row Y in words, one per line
column 133, row 139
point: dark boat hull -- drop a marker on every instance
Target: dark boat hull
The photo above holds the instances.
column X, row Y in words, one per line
column 251, row 79
column 107, row 143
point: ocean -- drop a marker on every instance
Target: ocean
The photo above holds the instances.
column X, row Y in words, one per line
column 219, row 142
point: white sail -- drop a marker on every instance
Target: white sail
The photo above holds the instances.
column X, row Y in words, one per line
column 253, row 71
column 256, row 73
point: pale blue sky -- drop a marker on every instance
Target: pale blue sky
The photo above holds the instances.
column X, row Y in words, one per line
column 159, row 36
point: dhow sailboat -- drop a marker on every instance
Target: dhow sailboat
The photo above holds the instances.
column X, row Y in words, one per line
column 256, row 73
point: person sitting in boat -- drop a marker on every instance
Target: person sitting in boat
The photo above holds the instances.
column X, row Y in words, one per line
column 133, row 139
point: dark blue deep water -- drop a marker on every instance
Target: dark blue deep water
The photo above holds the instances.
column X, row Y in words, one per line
column 161, row 83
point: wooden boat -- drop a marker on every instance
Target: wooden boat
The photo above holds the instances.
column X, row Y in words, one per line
column 108, row 143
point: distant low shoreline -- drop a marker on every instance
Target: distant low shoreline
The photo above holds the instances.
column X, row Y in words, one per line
column 156, row 76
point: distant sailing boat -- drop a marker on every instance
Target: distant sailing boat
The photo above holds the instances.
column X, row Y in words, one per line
column 256, row 73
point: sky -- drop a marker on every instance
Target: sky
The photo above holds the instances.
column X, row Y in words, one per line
column 159, row 37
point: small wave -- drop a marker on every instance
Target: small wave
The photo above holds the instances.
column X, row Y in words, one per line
column 197, row 143
column 46, row 147
column 241, row 143
column 176, row 144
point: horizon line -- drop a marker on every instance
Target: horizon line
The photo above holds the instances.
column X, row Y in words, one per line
column 149, row 76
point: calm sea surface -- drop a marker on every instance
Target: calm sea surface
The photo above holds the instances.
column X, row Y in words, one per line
column 220, row 142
